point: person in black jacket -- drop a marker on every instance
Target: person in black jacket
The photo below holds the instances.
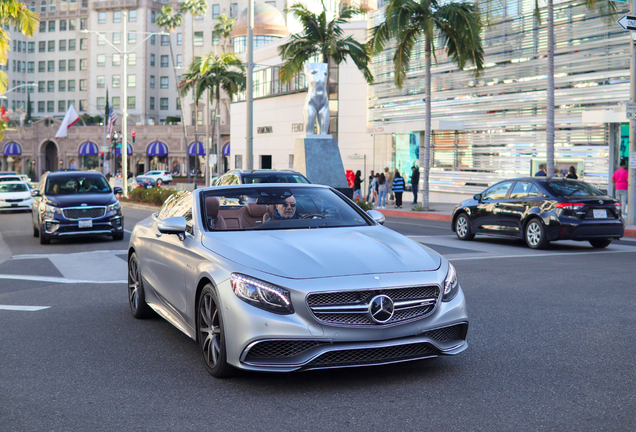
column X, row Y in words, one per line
column 415, row 182
column 357, row 186
column 398, row 188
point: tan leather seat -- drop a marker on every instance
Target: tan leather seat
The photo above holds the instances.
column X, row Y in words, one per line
column 269, row 214
column 252, row 215
column 214, row 219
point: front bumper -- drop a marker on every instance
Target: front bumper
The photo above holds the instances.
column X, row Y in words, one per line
column 22, row 205
column 62, row 227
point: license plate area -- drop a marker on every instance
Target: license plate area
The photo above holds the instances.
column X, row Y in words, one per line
column 599, row 213
column 14, row 205
column 85, row 223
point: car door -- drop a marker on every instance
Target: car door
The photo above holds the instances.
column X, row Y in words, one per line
column 486, row 216
column 515, row 208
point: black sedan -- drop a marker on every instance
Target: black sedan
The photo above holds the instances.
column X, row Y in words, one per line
column 540, row 211
column 142, row 182
column 74, row 204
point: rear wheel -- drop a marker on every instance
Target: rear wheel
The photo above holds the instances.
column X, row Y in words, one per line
column 462, row 227
column 136, row 295
column 43, row 238
column 211, row 335
column 600, row 243
column 159, row 181
column 535, row 235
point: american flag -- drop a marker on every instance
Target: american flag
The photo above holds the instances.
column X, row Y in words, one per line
column 112, row 118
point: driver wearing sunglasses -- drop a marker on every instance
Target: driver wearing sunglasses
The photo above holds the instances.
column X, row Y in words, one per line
column 286, row 211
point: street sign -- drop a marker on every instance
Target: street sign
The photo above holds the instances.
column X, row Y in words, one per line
column 630, row 110
column 103, row 148
column 628, row 22
column 632, row 160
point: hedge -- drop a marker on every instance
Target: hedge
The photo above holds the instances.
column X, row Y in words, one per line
column 154, row 196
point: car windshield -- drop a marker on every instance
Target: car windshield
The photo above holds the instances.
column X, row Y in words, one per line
column 10, row 178
column 274, row 178
column 76, row 184
column 567, row 188
column 272, row 208
column 13, row 187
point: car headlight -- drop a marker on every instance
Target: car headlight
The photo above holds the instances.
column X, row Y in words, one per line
column 451, row 285
column 114, row 207
column 50, row 211
column 262, row 294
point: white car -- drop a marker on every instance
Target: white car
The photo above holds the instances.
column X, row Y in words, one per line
column 159, row 176
column 15, row 195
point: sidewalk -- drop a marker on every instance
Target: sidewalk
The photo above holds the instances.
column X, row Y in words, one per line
column 442, row 212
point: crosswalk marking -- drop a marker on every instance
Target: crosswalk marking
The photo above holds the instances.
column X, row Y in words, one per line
column 23, row 308
column 62, row 280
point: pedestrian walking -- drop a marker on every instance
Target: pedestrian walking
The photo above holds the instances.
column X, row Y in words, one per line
column 415, row 182
column 389, row 180
column 383, row 189
column 572, row 174
column 619, row 180
column 369, row 190
column 398, row 188
column 357, row 186
column 374, row 189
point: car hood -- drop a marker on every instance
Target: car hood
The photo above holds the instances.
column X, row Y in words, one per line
column 323, row 252
column 76, row 200
column 15, row 195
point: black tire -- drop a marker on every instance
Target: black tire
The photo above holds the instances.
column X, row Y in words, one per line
column 462, row 227
column 44, row 240
column 210, row 334
column 118, row 236
column 136, row 295
column 535, row 235
column 36, row 232
column 600, row 243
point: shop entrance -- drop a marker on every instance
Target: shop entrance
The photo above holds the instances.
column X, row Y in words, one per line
column 50, row 156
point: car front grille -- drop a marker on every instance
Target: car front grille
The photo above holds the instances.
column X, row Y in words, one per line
column 15, row 200
column 279, row 349
column 362, row 356
column 446, row 334
column 84, row 212
column 351, row 307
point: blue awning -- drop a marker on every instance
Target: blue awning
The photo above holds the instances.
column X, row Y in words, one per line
column 118, row 150
column 226, row 149
column 157, row 148
column 88, row 149
column 12, row 149
column 200, row 150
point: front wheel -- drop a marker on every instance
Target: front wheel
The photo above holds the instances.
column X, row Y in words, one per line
column 211, row 335
column 600, row 243
column 535, row 235
column 462, row 228
column 136, row 295
column 36, row 232
column 159, row 182
column 44, row 240
column 118, row 236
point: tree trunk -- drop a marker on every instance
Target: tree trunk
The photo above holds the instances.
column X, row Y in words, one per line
column 427, row 128
column 196, row 115
column 549, row 125
column 206, row 170
column 219, row 169
column 176, row 82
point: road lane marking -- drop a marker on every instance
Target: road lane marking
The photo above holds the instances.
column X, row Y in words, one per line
column 48, row 255
column 59, row 279
column 538, row 255
column 23, row 308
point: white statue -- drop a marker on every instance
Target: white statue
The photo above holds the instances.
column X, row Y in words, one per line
column 317, row 100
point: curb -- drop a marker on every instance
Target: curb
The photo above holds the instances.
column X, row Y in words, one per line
column 139, row 206
column 416, row 215
column 630, row 233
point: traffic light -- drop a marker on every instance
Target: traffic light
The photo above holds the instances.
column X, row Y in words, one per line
column 133, row 137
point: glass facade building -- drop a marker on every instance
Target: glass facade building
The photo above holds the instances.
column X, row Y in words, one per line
column 502, row 114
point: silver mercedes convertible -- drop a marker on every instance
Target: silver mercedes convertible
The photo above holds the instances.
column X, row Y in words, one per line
column 289, row 277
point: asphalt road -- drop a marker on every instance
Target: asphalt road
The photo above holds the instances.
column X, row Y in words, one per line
column 551, row 347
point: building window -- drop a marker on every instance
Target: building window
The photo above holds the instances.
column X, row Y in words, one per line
column 101, row 17
column 116, row 16
column 41, row 66
column 132, row 37
column 72, row 5
column 71, row 85
column 101, row 81
column 83, row 85
column 165, row 40
column 152, row 40
column 41, row 86
column 198, row 39
column 61, row 65
column 42, row 6
column 82, row 24
column 72, row 44
column 152, row 103
column 61, row 106
column 52, row 6
column 163, row 104
column 132, row 80
column 62, row 45
column 179, row 103
column 116, row 81
column 179, row 38
column 83, row 44
column 153, row 16
column 164, row 82
column 152, row 81
column 51, row 26
column 42, row 46
column 84, row 64
column 271, row 3
column 116, row 59
column 50, row 106
column 215, row 11
column 100, row 39
column 234, row 10
column 72, row 23
column 31, row 67
column 178, row 60
column 131, row 102
column 116, row 38
column 61, row 85
column 164, row 61
column 132, row 59
column 83, row 105
column 42, row 26
column 71, row 65
column 41, row 106
column 116, row 102
column 50, row 86
column 238, row 161
column 50, row 66
column 152, row 59
column 132, row 15
column 31, row 46
column 101, row 103
column 62, row 25
column 31, row 88
column 51, row 46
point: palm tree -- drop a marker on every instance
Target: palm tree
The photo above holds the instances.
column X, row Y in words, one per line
column 457, row 28
column 214, row 72
column 325, row 38
column 223, row 28
column 169, row 21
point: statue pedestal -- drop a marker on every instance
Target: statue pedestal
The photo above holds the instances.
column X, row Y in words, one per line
column 318, row 158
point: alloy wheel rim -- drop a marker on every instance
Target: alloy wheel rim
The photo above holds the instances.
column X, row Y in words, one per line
column 534, row 233
column 462, row 226
column 133, row 284
column 210, row 331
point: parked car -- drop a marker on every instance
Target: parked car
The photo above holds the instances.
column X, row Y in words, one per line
column 15, row 195
column 238, row 176
column 145, row 182
column 267, row 293
column 11, row 178
column 76, row 203
column 541, row 211
column 4, row 173
column 159, row 176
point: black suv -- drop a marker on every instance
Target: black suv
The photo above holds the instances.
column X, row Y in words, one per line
column 238, row 176
column 76, row 203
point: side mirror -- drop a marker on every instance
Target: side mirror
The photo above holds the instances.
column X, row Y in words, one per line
column 377, row 216
column 477, row 197
column 118, row 190
column 173, row 225
column 35, row 193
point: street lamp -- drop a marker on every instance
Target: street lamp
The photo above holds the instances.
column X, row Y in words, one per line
column 2, row 96
column 124, row 93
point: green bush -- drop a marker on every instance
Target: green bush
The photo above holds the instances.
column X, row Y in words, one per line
column 154, row 196
column 364, row 204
